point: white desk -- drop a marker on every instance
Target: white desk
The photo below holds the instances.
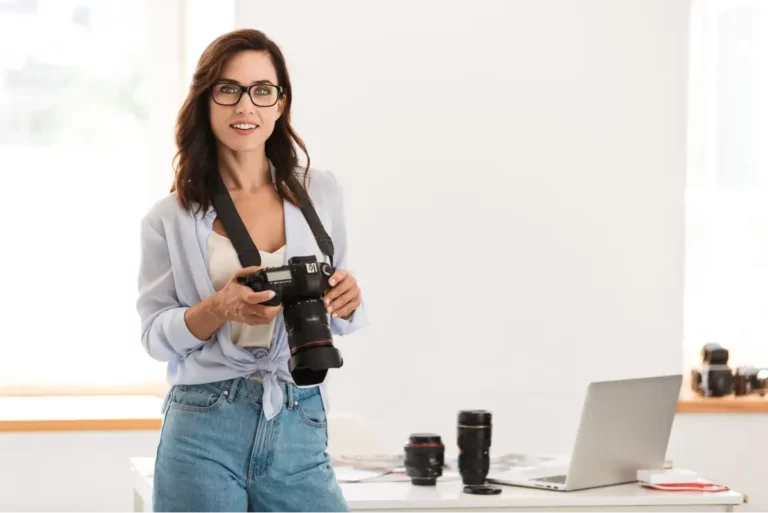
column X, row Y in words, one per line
column 448, row 495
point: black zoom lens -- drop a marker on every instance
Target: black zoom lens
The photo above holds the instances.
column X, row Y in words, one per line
column 474, row 441
column 310, row 340
column 424, row 458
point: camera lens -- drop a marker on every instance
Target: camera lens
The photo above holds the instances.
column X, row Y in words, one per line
column 310, row 340
column 474, row 440
column 424, row 458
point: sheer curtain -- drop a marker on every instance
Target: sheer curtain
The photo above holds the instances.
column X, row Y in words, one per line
column 726, row 297
column 89, row 91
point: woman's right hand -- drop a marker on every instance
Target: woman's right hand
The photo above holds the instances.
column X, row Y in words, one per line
column 237, row 302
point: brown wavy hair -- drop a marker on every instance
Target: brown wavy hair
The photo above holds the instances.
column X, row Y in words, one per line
column 196, row 161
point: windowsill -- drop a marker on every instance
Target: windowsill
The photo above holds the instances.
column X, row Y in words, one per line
column 691, row 402
column 80, row 413
column 142, row 412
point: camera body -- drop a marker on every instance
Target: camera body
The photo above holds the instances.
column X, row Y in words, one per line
column 714, row 378
column 300, row 286
column 301, row 278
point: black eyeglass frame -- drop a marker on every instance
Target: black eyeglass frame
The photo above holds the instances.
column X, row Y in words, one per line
column 246, row 89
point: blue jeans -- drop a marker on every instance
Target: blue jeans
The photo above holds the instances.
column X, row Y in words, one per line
column 217, row 452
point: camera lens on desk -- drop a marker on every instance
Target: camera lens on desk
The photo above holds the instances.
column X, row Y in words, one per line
column 474, row 440
column 424, row 458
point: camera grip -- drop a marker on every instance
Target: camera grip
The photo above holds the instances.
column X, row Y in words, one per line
column 275, row 301
column 256, row 286
column 245, row 280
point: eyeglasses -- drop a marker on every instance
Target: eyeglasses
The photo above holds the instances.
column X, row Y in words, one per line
column 262, row 95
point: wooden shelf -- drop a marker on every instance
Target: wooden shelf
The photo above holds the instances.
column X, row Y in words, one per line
column 691, row 402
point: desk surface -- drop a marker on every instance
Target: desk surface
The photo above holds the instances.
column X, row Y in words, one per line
column 448, row 495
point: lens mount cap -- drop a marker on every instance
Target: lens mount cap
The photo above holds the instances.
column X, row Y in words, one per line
column 482, row 490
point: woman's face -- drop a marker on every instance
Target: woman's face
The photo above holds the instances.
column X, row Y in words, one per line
column 244, row 126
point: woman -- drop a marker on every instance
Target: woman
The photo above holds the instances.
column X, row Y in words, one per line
column 238, row 434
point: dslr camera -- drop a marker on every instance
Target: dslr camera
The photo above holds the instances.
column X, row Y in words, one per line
column 300, row 286
column 715, row 377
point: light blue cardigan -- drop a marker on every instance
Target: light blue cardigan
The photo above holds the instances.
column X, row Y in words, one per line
column 173, row 275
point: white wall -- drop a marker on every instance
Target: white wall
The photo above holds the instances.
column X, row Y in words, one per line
column 514, row 176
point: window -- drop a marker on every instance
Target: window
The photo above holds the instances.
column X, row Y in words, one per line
column 89, row 92
column 726, row 296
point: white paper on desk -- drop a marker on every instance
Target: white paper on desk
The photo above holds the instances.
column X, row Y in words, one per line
column 355, row 475
column 515, row 461
column 383, row 468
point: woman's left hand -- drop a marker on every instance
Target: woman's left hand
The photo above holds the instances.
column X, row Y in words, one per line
column 344, row 295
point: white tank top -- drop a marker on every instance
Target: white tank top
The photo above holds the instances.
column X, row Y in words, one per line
column 222, row 264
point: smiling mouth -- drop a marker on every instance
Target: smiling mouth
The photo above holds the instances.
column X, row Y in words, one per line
column 244, row 127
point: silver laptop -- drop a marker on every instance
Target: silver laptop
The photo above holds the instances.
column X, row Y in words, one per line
column 625, row 426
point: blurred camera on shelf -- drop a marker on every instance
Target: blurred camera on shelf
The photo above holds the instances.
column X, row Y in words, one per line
column 750, row 380
column 714, row 378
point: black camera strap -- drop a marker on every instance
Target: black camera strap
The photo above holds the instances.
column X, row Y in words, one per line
column 247, row 252
column 322, row 238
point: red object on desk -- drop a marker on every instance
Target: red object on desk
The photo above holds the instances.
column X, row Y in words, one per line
column 687, row 487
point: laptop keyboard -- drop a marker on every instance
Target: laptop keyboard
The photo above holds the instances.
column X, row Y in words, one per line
column 552, row 479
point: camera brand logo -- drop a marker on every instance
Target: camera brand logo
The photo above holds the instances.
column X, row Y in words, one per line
column 311, row 268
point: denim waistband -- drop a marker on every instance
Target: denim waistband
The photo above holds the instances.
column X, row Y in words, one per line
column 254, row 391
